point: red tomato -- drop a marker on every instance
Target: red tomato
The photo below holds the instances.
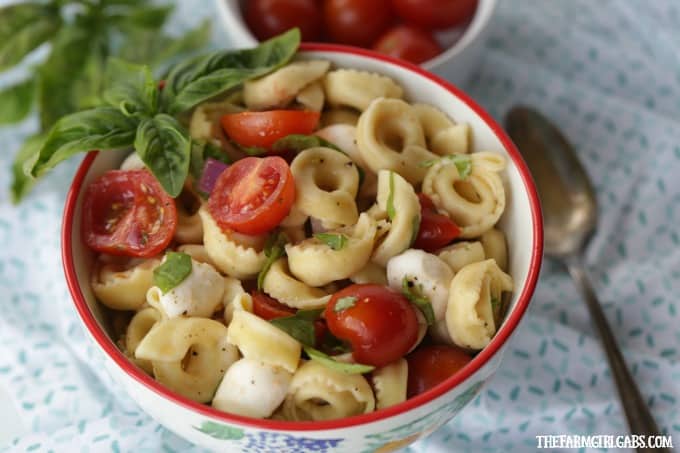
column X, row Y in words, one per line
column 379, row 323
column 268, row 18
column 356, row 22
column 262, row 129
column 253, row 195
column 436, row 230
column 269, row 308
column 435, row 14
column 431, row 365
column 128, row 213
column 408, row 43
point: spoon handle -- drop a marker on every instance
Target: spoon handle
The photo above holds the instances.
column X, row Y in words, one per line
column 640, row 420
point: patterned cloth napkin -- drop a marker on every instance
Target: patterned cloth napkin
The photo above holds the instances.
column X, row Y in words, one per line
column 608, row 73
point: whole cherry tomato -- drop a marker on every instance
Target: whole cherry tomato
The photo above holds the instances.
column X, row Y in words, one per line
column 128, row 213
column 268, row 18
column 435, row 14
column 408, row 43
column 379, row 323
column 253, row 195
column 436, row 230
column 432, row 365
column 356, row 22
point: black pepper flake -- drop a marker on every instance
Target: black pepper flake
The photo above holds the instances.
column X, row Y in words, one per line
column 194, row 353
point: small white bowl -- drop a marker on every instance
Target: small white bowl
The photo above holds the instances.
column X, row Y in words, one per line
column 383, row 430
column 456, row 64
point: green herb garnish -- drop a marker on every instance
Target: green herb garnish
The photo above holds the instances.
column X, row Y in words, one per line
column 301, row 142
column 391, row 212
column 176, row 267
column 344, row 303
column 463, row 163
column 419, row 300
column 415, row 227
column 300, row 325
column 336, row 241
column 273, row 250
column 328, row 361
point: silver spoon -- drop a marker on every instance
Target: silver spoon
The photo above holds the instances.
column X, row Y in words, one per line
column 570, row 218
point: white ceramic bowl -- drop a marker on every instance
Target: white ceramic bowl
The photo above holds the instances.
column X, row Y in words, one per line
column 456, row 64
column 385, row 429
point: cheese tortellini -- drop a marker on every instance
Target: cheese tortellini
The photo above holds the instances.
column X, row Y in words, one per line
column 123, row 287
column 390, row 384
column 284, row 287
column 357, row 89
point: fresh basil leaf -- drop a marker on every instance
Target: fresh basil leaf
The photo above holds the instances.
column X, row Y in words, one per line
column 301, row 142
column 86, row 87
column 273, row 250
column 176, row 267
column 193, row 81
column 335, row 241
column 417, row 299
column 131, row 88
column 200, row 151
column 16, row 101
column 102, row 128
column 331, row 343
column 391, row 212
column 149, row 17
column 328, row 361
column 71, row 49
column 344, row 303
column 165, row 148
column 252, row 150
column 23, row 27
column 21, row 181
column 300, row 325
column 463, row 163
column 415, row 227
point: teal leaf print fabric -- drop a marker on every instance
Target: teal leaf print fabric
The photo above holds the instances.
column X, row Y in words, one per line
column 608, row 73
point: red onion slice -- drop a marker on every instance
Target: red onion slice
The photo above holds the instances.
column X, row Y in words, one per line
column 212, row 169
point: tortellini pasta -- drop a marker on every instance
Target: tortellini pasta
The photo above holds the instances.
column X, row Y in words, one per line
column 326, row 184
column 231, row 256
column 339, row 116
column 140, row 324
column 320, row 393
column 189, row 355
column 357, row 89
column 371, row 273
column 282, row 86
column 252, row 389
column 311, row 97
column 397, row 198
column 282, row 286
column 205, row 121
column 443, row 136
column 390, row 137
column 476, row 202
column 198, row 294
column 317, row 264
column 189, row 228
column 461, row 254
column 123, row 287
column 259, row 340
column 389, row 383
column 470, row 313
column 493, row 242
column 235, row 298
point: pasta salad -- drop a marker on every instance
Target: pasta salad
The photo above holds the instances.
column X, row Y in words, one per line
column 330, row 249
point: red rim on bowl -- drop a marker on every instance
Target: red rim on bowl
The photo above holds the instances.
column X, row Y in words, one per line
column 508, row 327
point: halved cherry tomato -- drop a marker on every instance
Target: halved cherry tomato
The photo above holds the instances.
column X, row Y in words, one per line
column 435, row 14
column 268, row 18
column 356, row 22
column 436, row 230
column 262, row 129
column 379, row 323
column 253, row 195
column 269, row 308
column 408, row 43
column 432, row 365
column 128, row 213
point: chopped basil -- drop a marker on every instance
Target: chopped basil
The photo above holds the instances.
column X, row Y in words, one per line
column 173, row 271
column 495, row 304
column 301, row 142
column 344, row 303
column 391, row 212
column 300, row 325
column 273, row 250
column 335, row 241
column 330, row 362
column 417, row 299
column 415, row 227
column 463, row 163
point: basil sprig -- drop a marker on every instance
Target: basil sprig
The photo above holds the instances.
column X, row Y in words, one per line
column 463, row 163
column 138, row 113
column 415, row 296
column 176, row 267
column 342, row 367
column 300, row 325
column 274, row 249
